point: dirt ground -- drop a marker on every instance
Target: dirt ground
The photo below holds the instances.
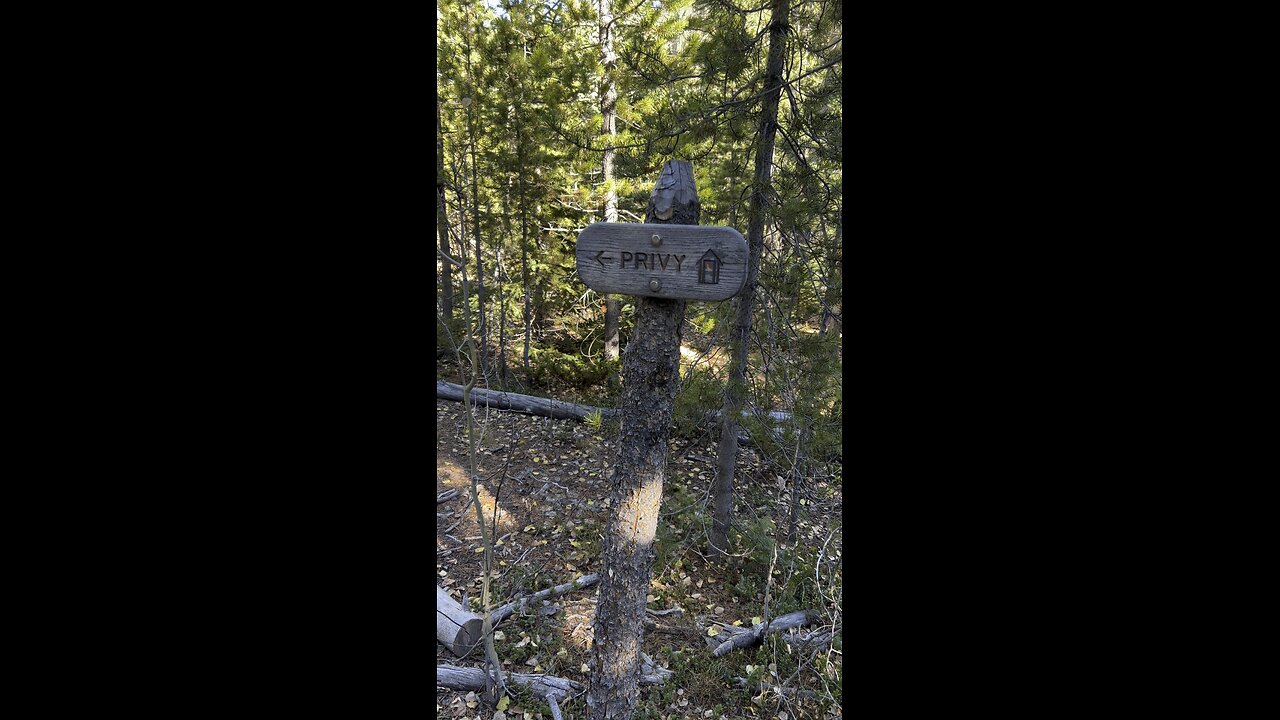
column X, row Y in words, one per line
column 548, row 480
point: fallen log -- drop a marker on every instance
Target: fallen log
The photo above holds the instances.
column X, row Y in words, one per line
column 446, row 495
column 747, row 637
column 528, row 404
column 456, row 627
column 534, row 405
column 544, row 686
column 516, row 605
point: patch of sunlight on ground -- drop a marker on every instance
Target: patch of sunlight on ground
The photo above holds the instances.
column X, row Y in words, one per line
column 578, row 618
column 450, row 474
column 717, row 358
column 487, row 505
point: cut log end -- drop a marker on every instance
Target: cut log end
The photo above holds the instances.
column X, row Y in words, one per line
column 468, row 637
column 457, row 628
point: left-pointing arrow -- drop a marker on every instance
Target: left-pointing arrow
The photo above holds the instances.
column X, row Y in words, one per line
column 599, row 260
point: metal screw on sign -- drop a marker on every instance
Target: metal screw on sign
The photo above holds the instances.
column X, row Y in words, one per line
column 656, row 240
column 655, row 285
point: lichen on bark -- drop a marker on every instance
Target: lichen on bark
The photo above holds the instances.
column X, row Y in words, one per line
column 650, row 381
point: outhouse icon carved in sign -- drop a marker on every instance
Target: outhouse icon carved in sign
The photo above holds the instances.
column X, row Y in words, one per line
column 709, row 268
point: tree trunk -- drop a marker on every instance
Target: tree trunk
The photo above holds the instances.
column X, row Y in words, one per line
column 608, row 109
column 475, row 209
column 502, row 323
column 651, row 379
column 503, row 280
column 524, row 250
column 612, row 307
column 736, row 390
column 442, row 220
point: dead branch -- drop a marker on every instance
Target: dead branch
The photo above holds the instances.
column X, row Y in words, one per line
column 817, row 638
column 516, row 605
column 748, row 637
column 544, row 686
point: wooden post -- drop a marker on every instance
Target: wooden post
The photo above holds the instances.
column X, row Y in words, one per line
column 650, row 379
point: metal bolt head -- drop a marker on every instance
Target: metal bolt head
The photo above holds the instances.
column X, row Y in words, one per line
column 656, row 240
column 655, row 285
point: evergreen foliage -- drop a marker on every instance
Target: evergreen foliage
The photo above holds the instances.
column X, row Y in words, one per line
column 521, row 126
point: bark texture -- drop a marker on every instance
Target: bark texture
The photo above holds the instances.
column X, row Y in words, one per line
column 650, row 380
column 736, row 390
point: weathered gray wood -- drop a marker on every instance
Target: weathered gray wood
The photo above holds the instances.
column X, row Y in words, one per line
column 446, row 495
column 747, row 637
column 516, row 605
column 622, row 258
column 817, row 638
column 515, row 402
column 544, row 686
column 456, row 628
column 650, row 381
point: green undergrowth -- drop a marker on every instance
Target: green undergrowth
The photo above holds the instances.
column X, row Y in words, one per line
column 550, row 366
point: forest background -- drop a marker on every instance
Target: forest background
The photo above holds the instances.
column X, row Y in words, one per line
column 553, row 115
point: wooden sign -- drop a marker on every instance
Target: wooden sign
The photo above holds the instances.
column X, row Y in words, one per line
column 689, row 262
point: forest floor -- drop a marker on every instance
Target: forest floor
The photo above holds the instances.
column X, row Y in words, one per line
column 549, row 480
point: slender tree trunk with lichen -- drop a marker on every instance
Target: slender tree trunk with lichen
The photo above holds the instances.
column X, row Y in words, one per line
column 608, row 111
